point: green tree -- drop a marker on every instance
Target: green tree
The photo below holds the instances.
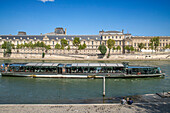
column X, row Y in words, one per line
column 151, row 44
column 31, row 45
column 4, row 45
column 76, row 42
column 154, row 43
column 64, row 43
column 118, row 48
column 82, row 47
column 127, row 48
column 18, row 46
column 132, row 48
column 68, row 48
column 47, row 47
column 57, row 46
column 8, row 48
column 141, row 46
column 110, row 45
column 114, row 48
column 102, row 48
column 43, row 55
column 42, row 44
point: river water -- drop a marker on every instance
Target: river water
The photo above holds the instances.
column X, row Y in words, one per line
column 25, row 90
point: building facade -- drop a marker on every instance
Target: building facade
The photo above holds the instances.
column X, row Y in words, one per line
column 92, row 41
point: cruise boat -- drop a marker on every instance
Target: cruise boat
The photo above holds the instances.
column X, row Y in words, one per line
column 79, row 70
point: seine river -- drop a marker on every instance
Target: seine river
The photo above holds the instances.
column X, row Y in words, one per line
column 23, row 90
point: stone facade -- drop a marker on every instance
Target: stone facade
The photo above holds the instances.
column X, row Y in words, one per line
column 92, row 41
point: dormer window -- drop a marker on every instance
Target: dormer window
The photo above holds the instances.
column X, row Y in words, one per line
column 116, row 37
column 120, row 37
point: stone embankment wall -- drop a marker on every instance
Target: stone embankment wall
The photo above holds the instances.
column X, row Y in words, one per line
column 88, row 57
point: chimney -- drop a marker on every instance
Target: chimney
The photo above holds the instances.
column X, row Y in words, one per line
column 122, row 30
column 65, row 31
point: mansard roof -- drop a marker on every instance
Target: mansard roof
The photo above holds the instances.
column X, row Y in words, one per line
column 54, row 37
column 149, row 37
column 112, row 32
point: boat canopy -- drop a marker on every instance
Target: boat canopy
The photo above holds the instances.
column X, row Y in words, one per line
column 69, row 65
column 140, row 67
column 17, row 65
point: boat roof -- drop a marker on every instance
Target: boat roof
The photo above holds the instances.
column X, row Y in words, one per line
column 141, row 66
column 70, row 64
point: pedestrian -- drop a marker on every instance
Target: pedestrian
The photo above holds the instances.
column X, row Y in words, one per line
column 123, row 101
column 130, row 101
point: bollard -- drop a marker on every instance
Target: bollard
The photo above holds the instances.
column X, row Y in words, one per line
column 104, row 86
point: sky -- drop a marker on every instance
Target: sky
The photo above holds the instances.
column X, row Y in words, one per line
column 85, row 17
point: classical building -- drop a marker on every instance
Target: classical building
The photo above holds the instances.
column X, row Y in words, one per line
column 92, row 41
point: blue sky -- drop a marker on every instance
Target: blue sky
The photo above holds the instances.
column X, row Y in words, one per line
column 139, row 17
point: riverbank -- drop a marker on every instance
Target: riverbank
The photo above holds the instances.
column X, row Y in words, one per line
column 87, row 108
column 148, row 103
column 122, row 57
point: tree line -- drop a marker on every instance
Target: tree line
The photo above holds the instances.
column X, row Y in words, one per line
column 154, row 43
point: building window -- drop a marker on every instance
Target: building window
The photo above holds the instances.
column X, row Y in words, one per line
column 84, row 42
column 163, row 44
column 96, row 46
column 17, row 42
column 135, row 44
column 120, row 43
column 105, row 42
column 100, row 42
column 24, row 42
column 53, row 42
column 145, row 44
column 148, row 44
column 108, row 37
column 92, row 42
column 116, row 37
column 160, row 44
column 92, row 46
column 127, row 43
column 120, row 37
column 68, row 42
